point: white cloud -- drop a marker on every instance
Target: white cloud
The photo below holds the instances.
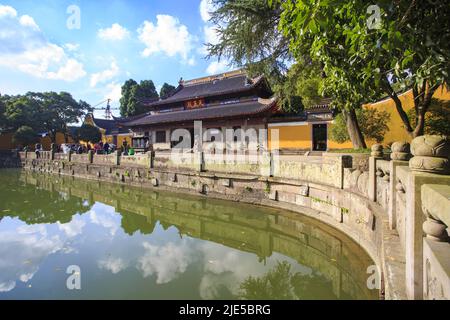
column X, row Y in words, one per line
column 115, row 33
column 72, row 46
column 218, row 67
column 168, row 36
column 22, row 252
column 211, row 35
column 106, row 218
column 166, row 262
column 206, row 6
column 6, row 11
column 73, row 228
column 105, row 75
column 114, row 91
column 28, row 21
column 24, row 47
column 115, row 265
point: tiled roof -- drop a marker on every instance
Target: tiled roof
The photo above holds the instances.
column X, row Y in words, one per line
column 240, row 109
column 110, row 126
column 213, row 87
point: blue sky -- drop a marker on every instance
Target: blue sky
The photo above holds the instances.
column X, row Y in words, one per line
column 42, row 48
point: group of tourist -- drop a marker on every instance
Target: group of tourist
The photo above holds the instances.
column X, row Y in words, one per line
column 98, row 148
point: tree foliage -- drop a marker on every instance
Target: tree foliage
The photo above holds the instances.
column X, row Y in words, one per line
column 374, row 125
column 364, row 54
column 281, row 283
column 25, row 135
column 133, row 94
column 437, row 120
column 48, row 112
column 88, row 133
column 248, row 37
column 166, row 90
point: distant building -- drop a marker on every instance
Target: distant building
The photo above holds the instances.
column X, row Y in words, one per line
column 110, row 130
column 225, row 101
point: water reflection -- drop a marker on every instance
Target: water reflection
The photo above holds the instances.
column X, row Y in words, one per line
column 164, row 245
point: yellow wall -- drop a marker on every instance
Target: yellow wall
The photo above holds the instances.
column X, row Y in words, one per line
column 397, row 131
column 6, row 141
column 299, row 137
column 292, row 137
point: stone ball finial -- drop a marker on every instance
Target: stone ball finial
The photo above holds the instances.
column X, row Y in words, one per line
column 377, row 151
column 431, row 154
column 400, row 151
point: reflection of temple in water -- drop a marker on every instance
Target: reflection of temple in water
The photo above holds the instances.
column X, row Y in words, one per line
column 257, row 230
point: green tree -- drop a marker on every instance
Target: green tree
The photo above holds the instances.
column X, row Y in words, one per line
column 374, row 125
column 25, row 135
column 437, row 120
column 166, row 90
column 133, row 94
column 49, row 112
column 57, row 111
column 363, row 54
column 2, row 115
column 248, row 37
column 23, row 111
column 88, row 133
column 126, row 92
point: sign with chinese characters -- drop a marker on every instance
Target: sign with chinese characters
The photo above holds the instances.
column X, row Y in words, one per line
column 195, row 104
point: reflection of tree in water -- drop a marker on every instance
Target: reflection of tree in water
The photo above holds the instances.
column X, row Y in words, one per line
column 281, row 283
column 132, row 222
column 34, row 206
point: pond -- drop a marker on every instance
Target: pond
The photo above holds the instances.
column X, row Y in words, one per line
column 132, row 243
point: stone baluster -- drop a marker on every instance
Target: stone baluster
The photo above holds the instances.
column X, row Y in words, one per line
column 429, row 165
column 400, row 154
column 430, row 154
column 376, row 154
column 52, row 151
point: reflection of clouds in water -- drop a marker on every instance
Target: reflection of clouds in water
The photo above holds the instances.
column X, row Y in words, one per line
column 21, row 253
column 32, row 229
column 115, row 265
column 225, row 268
column 74, row 227
column 167, row 261
column 106, row 217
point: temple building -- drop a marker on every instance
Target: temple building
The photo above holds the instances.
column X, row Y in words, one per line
column 222, row 102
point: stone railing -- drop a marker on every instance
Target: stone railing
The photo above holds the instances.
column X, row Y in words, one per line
column 61, row 156
column 106, row 159
column 252, row 164
column 81, row 158
column 436, row 247
column 141, row 160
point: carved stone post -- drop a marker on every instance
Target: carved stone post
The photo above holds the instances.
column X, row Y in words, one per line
column 428, row 166
column 90, row 156
column 151, row 155
column 377, row 153
column 52, row 151
column 399, row 157
column 200, row 161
